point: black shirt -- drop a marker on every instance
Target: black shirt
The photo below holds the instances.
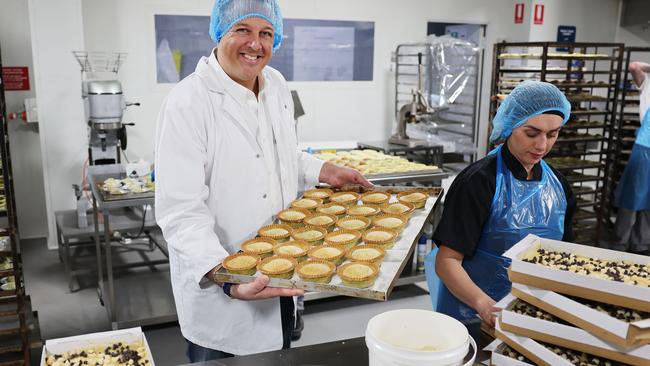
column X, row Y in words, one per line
column 467, row 204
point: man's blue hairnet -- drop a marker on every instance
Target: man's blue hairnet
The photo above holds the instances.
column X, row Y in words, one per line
column 528, row 99
column 226, row 13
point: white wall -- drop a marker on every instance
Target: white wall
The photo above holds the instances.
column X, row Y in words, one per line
column 24, row 141
column 595, row 20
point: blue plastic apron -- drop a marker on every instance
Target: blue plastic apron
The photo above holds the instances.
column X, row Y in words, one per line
column 518, row 208
column 633, row 190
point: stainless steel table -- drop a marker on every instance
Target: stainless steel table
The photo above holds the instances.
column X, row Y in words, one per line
column 141, row 298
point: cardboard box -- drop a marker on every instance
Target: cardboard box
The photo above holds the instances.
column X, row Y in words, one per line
column 567, row 336
column 530, row 348
column 600, row 324
column 498, row 358
column 597, row 289
column 102, row 339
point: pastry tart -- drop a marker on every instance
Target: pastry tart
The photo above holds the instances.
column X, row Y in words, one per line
column 277, row 232
column 416, row 198
column 384, row 238
column 321, row 220
column 241, row 263
column 358, row 274
column 293, row 216
column 345, row 198
column 320, row 193
column 393, row 222
column 316, row 270
column 263, row 247
column 330, row 253
column 399, row 208
column 278, row 266
column 346, row 238
column 375, row 198
column 296, row 249
column 332, row 208
column 367, row 253
column 307, row 203
column 358, row 223
column 310, row 234
column 363, row 210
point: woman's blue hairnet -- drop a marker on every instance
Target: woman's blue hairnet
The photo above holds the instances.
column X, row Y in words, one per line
column 226, row 13
column 528, row 99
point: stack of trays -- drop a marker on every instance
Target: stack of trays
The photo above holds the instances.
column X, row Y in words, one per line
column 574, row 305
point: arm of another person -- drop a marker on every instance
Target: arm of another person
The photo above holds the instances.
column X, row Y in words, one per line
column 639, row 71
column 181, row 193
column 450, row 270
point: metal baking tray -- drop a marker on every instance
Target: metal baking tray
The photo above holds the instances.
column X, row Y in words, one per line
column 390, row 270
column 106, row 196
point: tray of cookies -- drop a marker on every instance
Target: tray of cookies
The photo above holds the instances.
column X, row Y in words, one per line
column 587, row 272
column 527, row 320
column 619, row 325
column 352, row 241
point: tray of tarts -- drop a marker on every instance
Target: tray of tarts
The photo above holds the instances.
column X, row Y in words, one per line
column 350, row 241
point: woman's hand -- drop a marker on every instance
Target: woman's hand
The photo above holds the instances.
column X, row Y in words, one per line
column 486, row 309
column 257, row 290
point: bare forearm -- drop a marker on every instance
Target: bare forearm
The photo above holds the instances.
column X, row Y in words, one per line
column 639, row 71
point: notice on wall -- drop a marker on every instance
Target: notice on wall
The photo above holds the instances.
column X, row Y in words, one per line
column 519, row 13
column 566, row 34
column 323, row 53
column 538, row 14
column 15, row 78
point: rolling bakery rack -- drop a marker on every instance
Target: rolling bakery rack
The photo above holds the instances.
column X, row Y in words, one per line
column 627, row 122
column 588, row 73
column 19, row 330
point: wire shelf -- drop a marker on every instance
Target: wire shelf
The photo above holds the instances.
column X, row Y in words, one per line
column 100, row 61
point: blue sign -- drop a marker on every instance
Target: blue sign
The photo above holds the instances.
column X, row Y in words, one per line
column 566, row 34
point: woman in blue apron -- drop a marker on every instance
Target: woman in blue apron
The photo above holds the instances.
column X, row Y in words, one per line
column 497, row 201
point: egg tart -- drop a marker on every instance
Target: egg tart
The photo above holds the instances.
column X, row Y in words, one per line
column 393, row 222
column 263, row 247
column 278, row 266
column 384, row 238
column 241, row 263
column 277, row 232
column 363, row 210
column 322, row 220
column 296, row 249
column 345, row 198
column 358, row 274
column 346, row 238
column 367, row 253
column 316, row 270
column 311, row 235
column 399, row 208
column 375, row 198
column 416, row 198
column 307, row 203
column 332, row 208
column 293, row 216
column 320, row 193
column 358, row 223
column 330, row 253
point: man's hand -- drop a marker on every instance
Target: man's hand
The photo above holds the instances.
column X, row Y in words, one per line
column 337, row 176
column 257, row 290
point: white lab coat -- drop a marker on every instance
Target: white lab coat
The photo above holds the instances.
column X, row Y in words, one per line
column 212, row 186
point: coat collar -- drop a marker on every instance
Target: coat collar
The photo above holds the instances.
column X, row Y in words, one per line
column 216, row 79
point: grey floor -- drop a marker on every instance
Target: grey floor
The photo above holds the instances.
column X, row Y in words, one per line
column 63, row 313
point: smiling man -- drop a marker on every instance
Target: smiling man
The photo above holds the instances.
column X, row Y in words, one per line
column 226, row 163
column 498, row 200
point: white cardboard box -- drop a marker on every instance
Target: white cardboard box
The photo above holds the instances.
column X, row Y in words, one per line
column 611, row 292
column 529, row 348
column 498, row 359
column 567, row 336
column 600, row 324
column 77, row 343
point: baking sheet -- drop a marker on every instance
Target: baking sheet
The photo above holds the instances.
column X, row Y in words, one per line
column 390, row 269
column 106, row 196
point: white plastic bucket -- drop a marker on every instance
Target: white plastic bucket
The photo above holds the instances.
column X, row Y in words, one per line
column 416, row 337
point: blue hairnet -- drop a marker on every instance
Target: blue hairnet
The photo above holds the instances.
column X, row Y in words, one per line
column 528, row 99
column 226, row 13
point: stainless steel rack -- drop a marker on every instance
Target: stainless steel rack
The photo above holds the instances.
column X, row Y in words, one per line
column 589, row 74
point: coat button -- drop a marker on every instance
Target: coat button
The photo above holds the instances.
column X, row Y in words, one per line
column 285, row 106
column 257, row 156
column 264, row 196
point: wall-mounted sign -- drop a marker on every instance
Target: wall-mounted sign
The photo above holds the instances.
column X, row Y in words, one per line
column 15, row 78
column 566, row 34
column 519, row 13
column 538, row 14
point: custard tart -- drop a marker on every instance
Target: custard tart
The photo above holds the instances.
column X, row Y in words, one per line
column 241, row 263
column 416, row 198
column 363, row 210
column 367, row 253
column 316, row 270
column 307, row 203
column 278, row 266
column 330, row 253
column 358, row 274
column 296, row 249
column 277, row 232
column 311, row 235
column 321, row 220
column 393, row 222
column 384, row 238
column 332, row 208
column 399, row 208
column 263, row 247
column 358, row 223
column 346, row 238
column 375, row 198
column 320, row 193
column 293, row 216
column 345, row 198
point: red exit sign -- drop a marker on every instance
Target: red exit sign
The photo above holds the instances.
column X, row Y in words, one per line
column 15, row 78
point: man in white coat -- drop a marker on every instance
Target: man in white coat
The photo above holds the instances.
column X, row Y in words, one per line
column 226, row 162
